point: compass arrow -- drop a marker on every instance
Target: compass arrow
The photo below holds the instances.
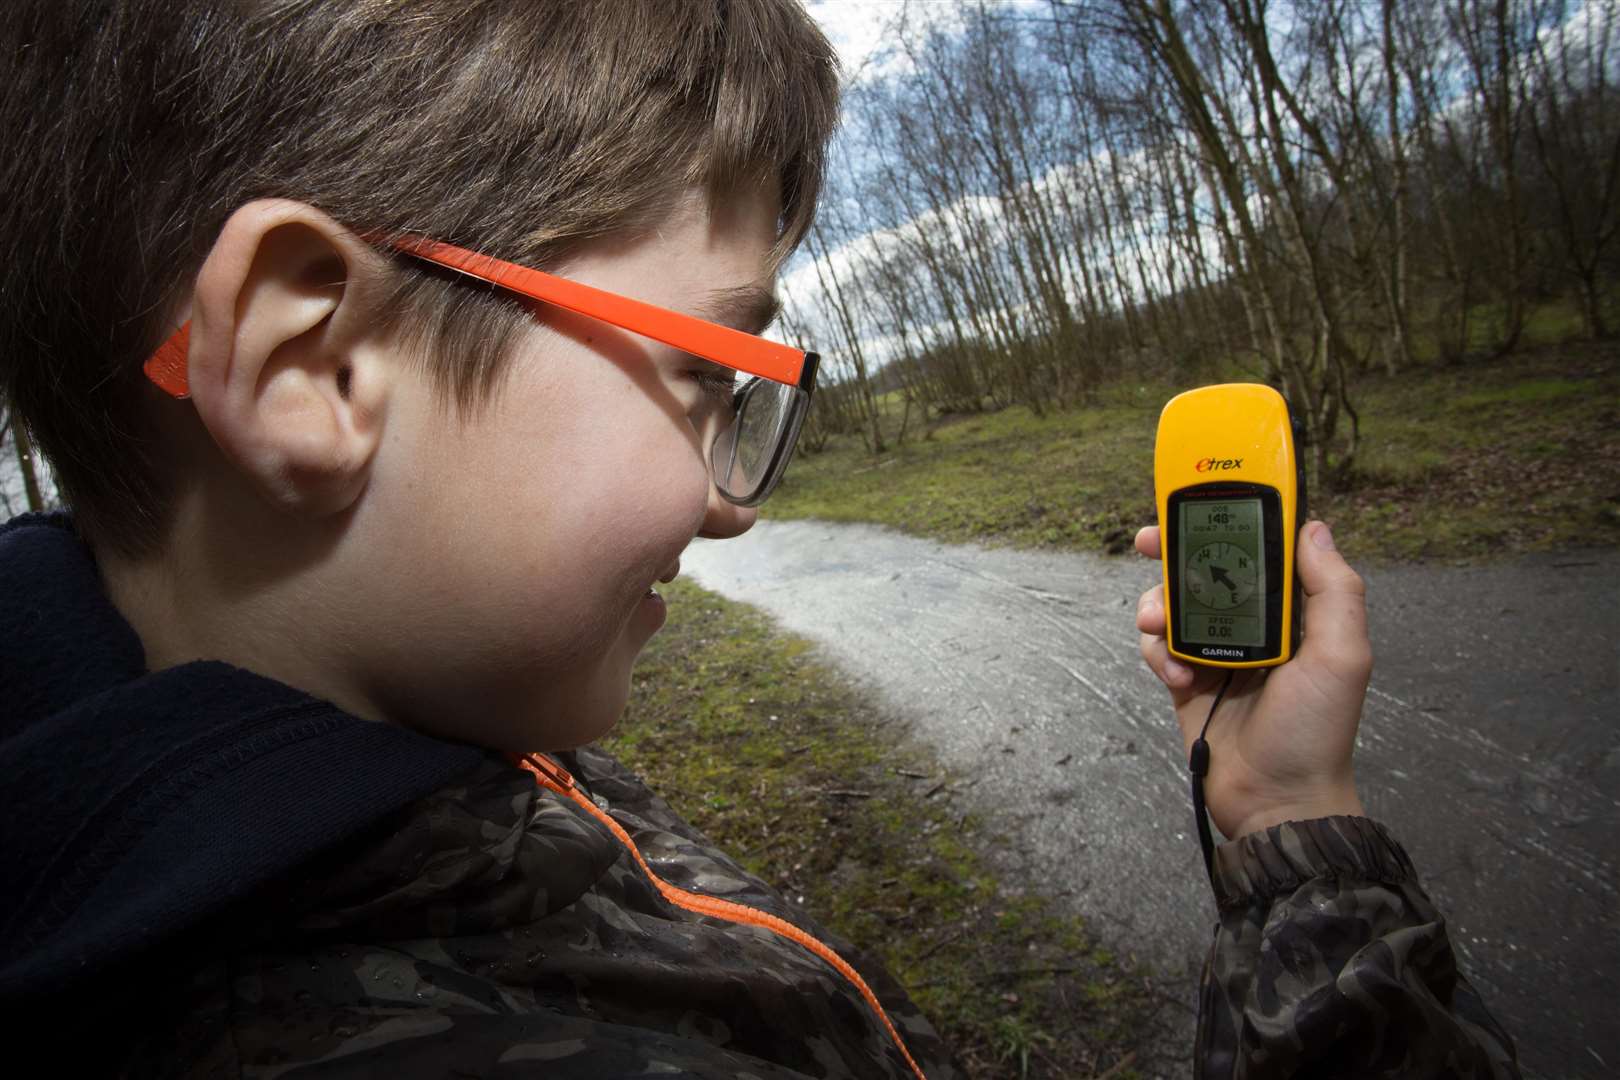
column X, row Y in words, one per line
column 1219, row 574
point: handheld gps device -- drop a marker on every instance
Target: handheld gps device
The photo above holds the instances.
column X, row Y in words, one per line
column 1231, row 496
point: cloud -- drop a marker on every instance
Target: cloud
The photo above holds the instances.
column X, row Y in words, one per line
column 863, row 31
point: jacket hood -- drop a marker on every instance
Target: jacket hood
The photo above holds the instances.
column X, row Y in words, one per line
column 139, row 804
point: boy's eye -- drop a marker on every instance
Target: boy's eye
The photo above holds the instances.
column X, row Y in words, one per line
column 718, row 383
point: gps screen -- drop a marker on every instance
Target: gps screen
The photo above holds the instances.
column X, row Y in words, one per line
column 1223, row 572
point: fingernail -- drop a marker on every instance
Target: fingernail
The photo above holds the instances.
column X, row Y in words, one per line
column 1173, row 670
column 1322, row 536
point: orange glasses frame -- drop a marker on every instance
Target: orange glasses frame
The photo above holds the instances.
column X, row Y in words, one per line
column 723, row 345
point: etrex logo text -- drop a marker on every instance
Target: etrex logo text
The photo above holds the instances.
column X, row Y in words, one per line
column 1211, row 464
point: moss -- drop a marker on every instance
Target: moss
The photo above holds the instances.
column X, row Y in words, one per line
column 784, row 765
column 1526, row 392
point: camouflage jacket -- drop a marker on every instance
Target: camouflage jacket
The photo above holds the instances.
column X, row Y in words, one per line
column 496, row 928
column 1330, row 961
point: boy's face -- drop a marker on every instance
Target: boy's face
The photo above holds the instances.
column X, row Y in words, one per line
column 511, row 554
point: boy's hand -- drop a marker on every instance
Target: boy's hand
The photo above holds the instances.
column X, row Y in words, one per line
column 1280, row 743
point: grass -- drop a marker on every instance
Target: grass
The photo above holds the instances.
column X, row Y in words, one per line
column 1465, row 461
column 1071, row 479
column 1487, row 460
column 1548, row 321
column 784, row 765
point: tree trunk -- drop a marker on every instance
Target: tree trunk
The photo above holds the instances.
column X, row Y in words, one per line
column 25, row 461
column 1397, row 278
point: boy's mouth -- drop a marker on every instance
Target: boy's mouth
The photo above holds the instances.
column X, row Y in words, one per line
column 667, row 576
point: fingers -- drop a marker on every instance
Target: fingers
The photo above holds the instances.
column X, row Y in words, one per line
column 1150, row 621
column 1147, row 541
column 1335, row 607
column 1150, row 616
column 1173, row 673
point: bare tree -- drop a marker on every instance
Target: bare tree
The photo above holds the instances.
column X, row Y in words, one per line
column 1574, row 123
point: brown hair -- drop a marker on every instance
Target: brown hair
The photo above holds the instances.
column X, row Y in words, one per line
column 521, row 128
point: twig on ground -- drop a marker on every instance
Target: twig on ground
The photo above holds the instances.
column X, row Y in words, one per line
column 936, row 946
column 1010, row 973
column 1118, row 1067
column 1030, row 973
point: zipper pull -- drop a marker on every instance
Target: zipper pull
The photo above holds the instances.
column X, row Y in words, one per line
column 550, row 773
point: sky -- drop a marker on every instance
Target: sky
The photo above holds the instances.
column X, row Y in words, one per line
column 856, row 29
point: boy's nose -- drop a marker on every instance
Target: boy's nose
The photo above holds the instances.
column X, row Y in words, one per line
column 725, row 519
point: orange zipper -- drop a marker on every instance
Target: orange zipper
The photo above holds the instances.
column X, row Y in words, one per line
column 555, row 778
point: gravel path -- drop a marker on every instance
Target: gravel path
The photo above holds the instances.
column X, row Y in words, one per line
column 1490, row 743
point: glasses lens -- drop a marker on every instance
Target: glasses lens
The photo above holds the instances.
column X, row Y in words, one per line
column 749, row 455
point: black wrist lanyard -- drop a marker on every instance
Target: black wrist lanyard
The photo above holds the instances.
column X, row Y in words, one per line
column 1198, row 765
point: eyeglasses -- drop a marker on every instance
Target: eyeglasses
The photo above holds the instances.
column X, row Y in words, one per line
column 751, row 449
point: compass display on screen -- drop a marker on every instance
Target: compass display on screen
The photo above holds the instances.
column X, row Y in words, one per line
column 1220, row 575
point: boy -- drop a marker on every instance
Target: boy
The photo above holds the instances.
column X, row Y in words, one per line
column 368, row 519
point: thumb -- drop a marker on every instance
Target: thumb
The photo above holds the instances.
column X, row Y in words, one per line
column 1335, row 607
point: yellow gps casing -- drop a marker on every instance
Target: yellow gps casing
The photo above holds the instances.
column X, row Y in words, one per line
column 1230, row 490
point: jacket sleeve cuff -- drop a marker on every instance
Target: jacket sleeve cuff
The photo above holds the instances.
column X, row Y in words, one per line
column 1262, row 865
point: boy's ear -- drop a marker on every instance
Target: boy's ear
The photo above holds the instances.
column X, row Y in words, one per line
column 286, row 365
